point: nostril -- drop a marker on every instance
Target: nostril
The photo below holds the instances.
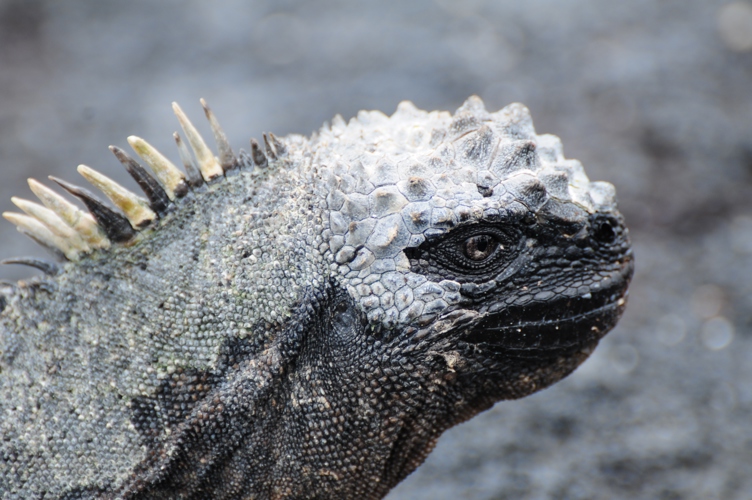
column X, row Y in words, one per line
column 604, row 231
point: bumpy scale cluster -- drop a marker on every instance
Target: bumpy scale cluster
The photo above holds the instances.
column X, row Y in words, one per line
column 424, row 174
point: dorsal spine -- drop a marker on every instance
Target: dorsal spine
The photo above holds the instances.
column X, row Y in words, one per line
column 71, row 233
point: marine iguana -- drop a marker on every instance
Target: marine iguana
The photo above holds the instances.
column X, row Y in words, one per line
column 304, row 320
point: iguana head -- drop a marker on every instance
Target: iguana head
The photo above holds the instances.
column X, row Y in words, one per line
column 472, row 242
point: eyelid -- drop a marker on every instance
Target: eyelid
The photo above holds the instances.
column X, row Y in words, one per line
column 445, row 255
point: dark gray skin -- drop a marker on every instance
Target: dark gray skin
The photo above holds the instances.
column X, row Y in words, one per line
column 281, row 333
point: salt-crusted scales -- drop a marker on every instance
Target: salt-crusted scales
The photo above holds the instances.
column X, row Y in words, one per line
column 172, row 320
column 392, row 181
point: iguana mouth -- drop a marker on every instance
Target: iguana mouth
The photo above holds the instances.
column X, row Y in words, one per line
column 566, row 324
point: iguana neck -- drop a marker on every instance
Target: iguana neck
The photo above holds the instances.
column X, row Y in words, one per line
column 312, row 426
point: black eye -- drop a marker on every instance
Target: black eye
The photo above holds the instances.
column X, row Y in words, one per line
column 476, row 252
column 480, row 247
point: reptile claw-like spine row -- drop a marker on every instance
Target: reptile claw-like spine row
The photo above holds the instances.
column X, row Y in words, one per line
column 70, row 233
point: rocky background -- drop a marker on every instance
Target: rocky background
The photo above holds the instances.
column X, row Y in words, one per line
column 654, row 96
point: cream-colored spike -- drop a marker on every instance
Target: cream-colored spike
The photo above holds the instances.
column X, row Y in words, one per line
column 226, row 156
column 194, row 176
column 53, row 222
column 171, row 178
column 38, row 231
column 135, row 208
column 79, row 220
column 209, row 165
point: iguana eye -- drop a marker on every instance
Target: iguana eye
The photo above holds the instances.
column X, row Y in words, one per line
column 480, row 247
column 476, row 252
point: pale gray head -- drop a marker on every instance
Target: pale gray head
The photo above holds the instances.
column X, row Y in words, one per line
column 471, row 227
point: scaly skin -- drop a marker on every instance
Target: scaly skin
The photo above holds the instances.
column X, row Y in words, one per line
column 309, row 328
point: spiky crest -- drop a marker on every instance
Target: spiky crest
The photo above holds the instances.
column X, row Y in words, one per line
column 499, row 152
column 70, row 233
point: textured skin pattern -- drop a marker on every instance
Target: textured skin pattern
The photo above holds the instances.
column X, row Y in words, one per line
column 309, row 329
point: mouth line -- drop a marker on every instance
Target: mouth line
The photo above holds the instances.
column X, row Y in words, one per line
column 573, row 318
column 574, row 323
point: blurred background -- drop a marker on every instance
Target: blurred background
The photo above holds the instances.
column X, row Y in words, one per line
column 654, row 96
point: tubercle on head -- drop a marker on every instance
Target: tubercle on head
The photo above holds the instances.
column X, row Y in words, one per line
column 473, row 145
column 71, row 233
column 470, row 161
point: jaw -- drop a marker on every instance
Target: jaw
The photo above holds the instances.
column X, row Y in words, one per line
column 552, row 329
column 508, row 334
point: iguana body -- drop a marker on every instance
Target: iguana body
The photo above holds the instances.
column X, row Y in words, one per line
column 306, row 324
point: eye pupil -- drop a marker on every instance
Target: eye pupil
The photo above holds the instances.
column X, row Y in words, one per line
column 480, row 247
